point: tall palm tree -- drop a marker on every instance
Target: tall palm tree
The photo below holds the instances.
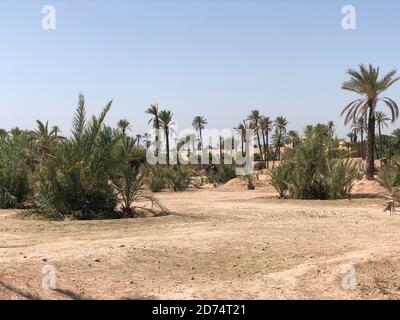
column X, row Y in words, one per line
column 165, row 118
column 153, row 111
column 147, row 137
column 352, row 136
column 280, row 131
column 255, row 119
column 381, row 121
column 124, row 126
column 138, row 137
column 56, row 130
column 293, row 138
column 242, row 127
column 198, row 124
column 360, row 127
column 266, row 125
column 366, row 83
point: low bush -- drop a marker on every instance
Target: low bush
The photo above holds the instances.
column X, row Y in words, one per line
column 222, row 173
column 313, row 170
column 14, row 175
column 389, row 175
column 156, row 178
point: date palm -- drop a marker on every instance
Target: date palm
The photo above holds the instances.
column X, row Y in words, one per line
column 242, row 127
column 138, row 137
column 124, row 126
column 266, row 125
column 381, row 121
column 369, row 86
column 147, row 137
column 293, row 138
column 44, row 137
column 280, row 131
column 165, row 121
column 198, row 124
column 255, row 119
column 153, row 111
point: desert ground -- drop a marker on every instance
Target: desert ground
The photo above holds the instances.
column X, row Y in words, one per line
column 217, row 243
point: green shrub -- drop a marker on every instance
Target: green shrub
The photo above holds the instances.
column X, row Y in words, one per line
column 178, row 178
column 313, row 170
column 73, row 175
column 157, row 178
column 222, row 173
column 389, row 175
column 14, row 175
column 279, row 179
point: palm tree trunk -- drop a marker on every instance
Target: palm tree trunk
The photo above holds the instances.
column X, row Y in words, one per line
column 259, row 146
column 362, row 145
column 263, row 137
column 267, row 149
column 380, row 141
column 370, row 163
column 167, row 142
column 243, row 146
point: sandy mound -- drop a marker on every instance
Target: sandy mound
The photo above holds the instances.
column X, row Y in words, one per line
column 368, row 187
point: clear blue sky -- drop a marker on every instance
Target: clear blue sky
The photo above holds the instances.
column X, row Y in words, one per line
column 216, row 58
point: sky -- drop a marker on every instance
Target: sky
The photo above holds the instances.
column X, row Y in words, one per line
column 216, row 58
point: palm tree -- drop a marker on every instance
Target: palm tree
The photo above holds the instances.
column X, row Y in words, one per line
column 165, row 118
column 147, row 137
column 381, row 121
column 242, row 127
column 198, row 124
column 138, row 137
column 280, row 130
column 366, row 83
column 255, row 119
column 44, row 137
column 266, row 125
column 360, row 126
column 352, row 136
column 3, row 134
column 293, row 138
column 56, row 130
column 124, row 126
column 153, row 111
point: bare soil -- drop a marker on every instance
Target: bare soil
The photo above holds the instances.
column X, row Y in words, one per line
column 222, row 243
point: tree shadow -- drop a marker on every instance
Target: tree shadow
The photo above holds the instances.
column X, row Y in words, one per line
column 22, row 293
column 70, row 294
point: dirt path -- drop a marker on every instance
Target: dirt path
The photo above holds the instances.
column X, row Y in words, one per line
column 215, row 244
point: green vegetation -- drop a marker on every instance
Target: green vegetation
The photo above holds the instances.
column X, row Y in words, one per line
column 315, row 169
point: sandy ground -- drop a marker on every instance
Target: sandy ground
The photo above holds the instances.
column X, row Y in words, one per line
column 215, row 244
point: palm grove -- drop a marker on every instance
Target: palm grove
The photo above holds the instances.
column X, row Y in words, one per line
column 101, row 172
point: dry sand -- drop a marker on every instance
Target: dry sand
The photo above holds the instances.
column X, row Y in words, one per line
column 216, row 244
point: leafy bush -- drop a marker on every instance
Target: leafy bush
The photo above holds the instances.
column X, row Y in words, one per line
column 157, row 178
column 222, row 173
column 73, row 175
column 178, row 178
column 389, row 175
column 279, row 179
column 14, row 175
column 313, row 171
